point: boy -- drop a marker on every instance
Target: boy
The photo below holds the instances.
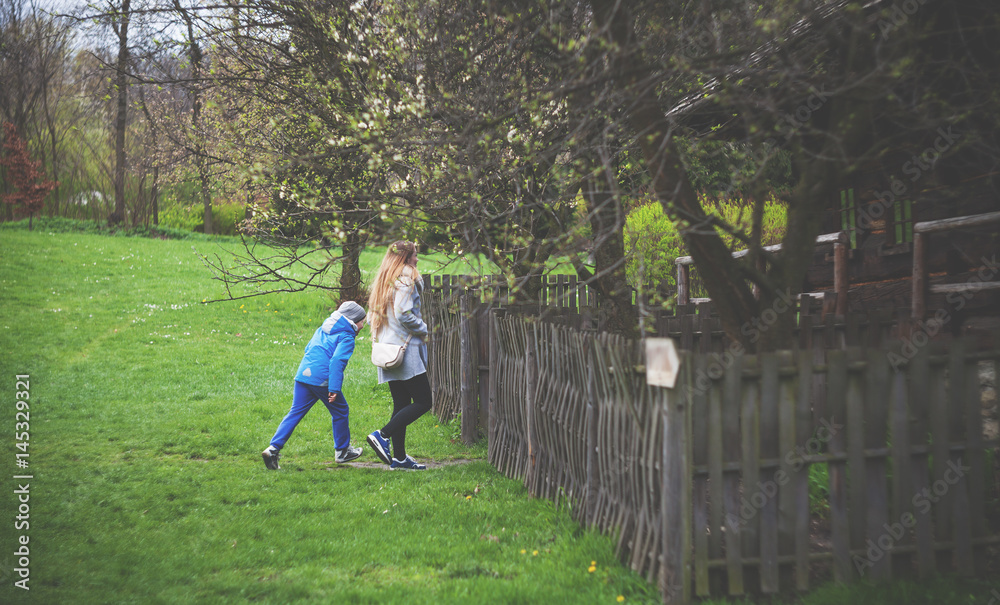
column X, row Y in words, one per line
column 321, row 376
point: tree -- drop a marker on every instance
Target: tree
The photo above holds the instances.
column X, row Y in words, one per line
column 865, row 89
column 522, row 129
column 197, row 81
column 34, row 52
column 30, row 186
column 289, row 76
column 119, row 18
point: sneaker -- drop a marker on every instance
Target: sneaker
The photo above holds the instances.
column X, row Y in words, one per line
column 271, row 456
column 381, row 446
column 408, row 463
column 348, row 453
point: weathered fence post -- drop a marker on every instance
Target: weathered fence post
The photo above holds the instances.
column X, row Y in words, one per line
column 590, row 500
column 683, row 283
column 675, row 571
column 481, row 302
column 493, row 358
column 494, row 361
column 531, row 381
column 468, row 404
column 433, row 303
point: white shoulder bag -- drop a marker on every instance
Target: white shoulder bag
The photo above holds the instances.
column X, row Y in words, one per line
column 389, row 356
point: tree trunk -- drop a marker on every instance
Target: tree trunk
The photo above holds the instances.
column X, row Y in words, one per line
column 156, row 195
column 607, row 221
column 194, row 52
column 46, row 85
column 121, row 83
column 206, row 195
column 352, row 286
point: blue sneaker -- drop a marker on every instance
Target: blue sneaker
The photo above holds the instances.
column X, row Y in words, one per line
column 408, row 463
column 381, row 446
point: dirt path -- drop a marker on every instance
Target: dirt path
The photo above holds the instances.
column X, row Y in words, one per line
column 431, row 464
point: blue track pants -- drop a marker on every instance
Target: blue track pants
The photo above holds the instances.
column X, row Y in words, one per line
column 304, row 397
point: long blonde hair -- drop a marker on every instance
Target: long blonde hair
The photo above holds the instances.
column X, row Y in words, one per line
column 399, row 258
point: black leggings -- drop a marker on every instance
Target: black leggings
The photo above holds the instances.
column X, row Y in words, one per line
column 417, row 390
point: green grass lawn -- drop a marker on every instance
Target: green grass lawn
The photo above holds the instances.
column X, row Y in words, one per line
column 148, row 412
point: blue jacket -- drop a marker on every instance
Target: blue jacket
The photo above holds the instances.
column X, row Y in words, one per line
column 327, row 353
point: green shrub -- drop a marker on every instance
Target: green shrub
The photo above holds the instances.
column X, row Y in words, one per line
column 69, row 225
column 653, row 242
column 738, row 214
column 225, row 217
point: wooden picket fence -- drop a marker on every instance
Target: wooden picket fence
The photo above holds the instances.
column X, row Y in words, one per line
column 457, row 308
column 707, row 484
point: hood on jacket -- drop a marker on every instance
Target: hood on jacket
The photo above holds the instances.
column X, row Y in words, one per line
column 338, row 323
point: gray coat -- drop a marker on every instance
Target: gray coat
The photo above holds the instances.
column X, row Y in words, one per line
column 403, row 319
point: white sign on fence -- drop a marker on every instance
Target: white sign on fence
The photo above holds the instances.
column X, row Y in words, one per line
column 662, row 362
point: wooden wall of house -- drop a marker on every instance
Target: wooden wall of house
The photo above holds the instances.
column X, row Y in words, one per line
column 879, row 207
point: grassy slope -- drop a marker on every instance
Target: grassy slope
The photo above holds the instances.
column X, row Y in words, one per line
column 148, row 414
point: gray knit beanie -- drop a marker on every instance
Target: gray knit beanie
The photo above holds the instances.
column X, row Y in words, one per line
column 352, row 311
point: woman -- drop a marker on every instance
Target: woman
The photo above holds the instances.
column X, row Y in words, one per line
column 394, row 316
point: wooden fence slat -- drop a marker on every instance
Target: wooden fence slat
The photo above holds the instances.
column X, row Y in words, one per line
column 976, row 459
column 675, row 576
column 876, row 418
column 530, row 388
column 856, row 452
column 958, row 399
column 836, row 405
column 493, row 359
column 704, row 327
column 715, row 472
column 650, row 477
column 800, row 478
column 481, row 354
column 715, row 453
column 805, row 341
column 787, row 394
column 731, row 479
column 767, row 488
column 687, row 332
column 700, row 448
column 750, row 450
column 902, row 464
column 468, row 372
column 593, row 486
column 919, row 376
column 940, row 451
